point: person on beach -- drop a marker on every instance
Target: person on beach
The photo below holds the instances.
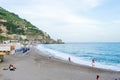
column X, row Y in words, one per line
column 93, row 62
column 69, row 59
column 11, row 67
column 98, row 77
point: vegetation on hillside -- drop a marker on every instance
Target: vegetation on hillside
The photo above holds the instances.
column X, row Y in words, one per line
column 11, row 23
column 16, row 25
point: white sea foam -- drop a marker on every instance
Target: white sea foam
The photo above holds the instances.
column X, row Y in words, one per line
column 78, row 60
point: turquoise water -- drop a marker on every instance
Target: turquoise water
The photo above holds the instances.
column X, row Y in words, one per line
column 106, row 55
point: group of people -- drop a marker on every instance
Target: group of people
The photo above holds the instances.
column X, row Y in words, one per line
column 93, row 65
column 93, row 61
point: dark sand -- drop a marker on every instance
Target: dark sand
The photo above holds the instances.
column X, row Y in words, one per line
column 36, row 66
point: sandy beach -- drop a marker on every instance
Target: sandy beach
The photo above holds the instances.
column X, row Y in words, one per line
column 37, row 66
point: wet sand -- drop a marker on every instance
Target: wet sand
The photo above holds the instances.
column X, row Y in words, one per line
column 37, row 66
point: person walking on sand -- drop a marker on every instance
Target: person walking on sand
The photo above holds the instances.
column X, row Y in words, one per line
column 93, row 62
column 98, row 77
column 69, row 59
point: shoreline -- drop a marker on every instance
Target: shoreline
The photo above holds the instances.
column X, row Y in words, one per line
column 40, row 66
column 73, row 63
column 88, row 63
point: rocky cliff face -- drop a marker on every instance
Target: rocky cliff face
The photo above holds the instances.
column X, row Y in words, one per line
column 11, row 23
column 3, row 29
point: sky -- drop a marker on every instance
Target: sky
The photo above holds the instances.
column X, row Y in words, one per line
column 71, row 20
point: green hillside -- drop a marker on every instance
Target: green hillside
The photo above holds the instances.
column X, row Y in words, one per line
column 16, row 25
column 11, row 23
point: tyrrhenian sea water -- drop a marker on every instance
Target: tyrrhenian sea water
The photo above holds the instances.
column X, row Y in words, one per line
column 106, row 55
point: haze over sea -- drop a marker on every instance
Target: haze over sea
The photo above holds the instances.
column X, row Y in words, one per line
column 106, row 55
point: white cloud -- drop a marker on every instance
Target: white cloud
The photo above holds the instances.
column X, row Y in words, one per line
column 56, row 10
column 54, row 14
column 58, row 18
column 116, row 22
column 91, row 3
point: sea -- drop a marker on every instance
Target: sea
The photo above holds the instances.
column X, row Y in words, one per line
column 105, row 54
